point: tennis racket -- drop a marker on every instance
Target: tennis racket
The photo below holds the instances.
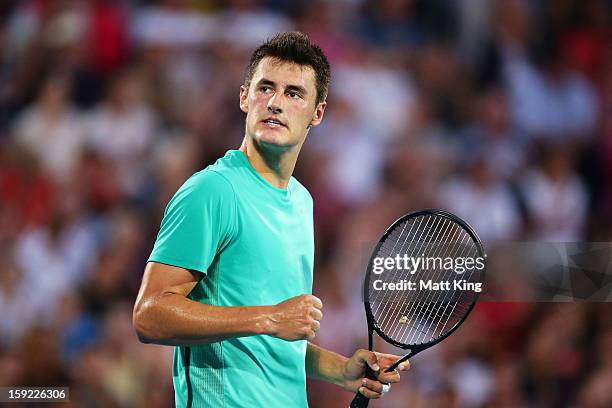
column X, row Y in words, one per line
column 422, row 281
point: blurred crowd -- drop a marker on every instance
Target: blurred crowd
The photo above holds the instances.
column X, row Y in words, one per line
column 497, row 110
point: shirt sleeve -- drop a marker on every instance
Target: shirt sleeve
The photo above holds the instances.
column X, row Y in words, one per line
column 198, row 222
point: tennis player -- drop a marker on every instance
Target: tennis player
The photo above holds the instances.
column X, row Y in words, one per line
column 229, row 279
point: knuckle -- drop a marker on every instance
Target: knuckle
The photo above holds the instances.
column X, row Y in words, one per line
column 369, row 393
column 375, row 386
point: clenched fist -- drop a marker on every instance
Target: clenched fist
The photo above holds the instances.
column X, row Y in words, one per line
column 296, row 318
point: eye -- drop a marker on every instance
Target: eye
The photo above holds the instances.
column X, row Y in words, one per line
column 294, row 94
column 265, row 89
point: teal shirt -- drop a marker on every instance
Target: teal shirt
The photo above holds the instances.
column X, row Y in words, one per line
column 255, row 245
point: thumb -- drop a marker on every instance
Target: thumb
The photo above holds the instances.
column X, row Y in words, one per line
column 372, row 360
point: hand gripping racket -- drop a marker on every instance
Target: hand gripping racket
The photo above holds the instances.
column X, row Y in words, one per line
column 423, row 279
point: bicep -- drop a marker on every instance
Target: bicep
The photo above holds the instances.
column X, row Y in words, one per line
column 160, row 282
column 197, row 223
column 160, row 279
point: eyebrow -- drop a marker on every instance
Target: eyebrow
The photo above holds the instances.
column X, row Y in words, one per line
column 296, row 88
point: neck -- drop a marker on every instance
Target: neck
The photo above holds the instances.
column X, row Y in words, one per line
column 275, row 164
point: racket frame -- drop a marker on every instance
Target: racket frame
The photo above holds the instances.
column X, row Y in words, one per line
column 373, row 326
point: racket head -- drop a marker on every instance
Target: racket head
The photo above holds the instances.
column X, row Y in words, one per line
column 374, row 316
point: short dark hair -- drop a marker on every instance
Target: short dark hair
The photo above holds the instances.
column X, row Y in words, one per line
column 294, row 47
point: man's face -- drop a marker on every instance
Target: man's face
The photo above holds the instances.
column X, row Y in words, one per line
column 280, row 103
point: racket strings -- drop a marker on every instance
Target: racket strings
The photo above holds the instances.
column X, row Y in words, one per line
column 432, row 311
column 422, row 235
column 422, row 309
column 390, row 318
column 437, row 304
column 390, row 253
column 393, row 299
column 425, row 314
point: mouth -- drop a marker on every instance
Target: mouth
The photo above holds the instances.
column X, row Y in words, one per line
column 273, row 122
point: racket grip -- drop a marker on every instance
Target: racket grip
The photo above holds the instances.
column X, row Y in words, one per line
column 360, row 400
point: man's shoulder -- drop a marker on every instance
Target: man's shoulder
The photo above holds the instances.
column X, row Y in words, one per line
column 300, row 190
column 206, row 183
column 220, row 175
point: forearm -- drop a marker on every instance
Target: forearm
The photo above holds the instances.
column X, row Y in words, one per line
column 322, row 364
column 172, row 319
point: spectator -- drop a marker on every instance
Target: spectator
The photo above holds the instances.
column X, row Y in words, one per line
column 483, row 200
column 555, row 197
column 52, row 129
column 123, row 129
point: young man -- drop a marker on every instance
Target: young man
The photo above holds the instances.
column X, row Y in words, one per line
column 229, row 280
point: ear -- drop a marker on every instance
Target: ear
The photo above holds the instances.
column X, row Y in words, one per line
column 318, row 114
column 244, row 93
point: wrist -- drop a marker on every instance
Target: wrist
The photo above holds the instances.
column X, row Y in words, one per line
column 343, row 377
column 265, row 322
column 326, row 365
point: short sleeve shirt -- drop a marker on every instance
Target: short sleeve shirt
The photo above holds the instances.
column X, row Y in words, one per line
column 254, row 243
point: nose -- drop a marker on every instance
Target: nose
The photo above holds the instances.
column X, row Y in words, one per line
column 275, row 110
column 273, row 106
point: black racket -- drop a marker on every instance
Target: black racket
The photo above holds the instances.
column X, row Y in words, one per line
column 407, row 301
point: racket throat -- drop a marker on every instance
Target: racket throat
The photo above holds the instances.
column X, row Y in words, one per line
column 400, row 361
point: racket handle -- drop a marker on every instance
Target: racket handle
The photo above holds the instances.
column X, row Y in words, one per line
column 360, row 401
